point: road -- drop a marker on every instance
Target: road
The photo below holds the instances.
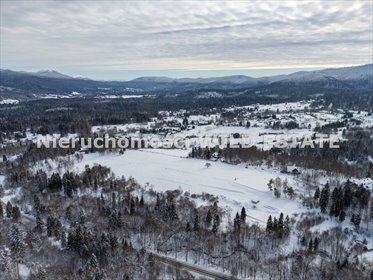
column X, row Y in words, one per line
column 192, row 268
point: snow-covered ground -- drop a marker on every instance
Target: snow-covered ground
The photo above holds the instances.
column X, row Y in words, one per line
column 2, row 179
column 9, row 101
column 235, row 185
column 24, row 271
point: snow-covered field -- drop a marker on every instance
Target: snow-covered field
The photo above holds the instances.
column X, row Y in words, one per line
column 9, row 101
column 235, row 185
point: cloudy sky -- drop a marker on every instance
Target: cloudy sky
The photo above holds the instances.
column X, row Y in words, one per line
column 126, row 39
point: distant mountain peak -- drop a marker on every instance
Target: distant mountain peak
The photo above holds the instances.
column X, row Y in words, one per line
column 49, row 74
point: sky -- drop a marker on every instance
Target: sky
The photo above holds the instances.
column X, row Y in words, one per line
column 121, row 40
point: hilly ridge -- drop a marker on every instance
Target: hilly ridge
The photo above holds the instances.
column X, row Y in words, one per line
column 32, row 84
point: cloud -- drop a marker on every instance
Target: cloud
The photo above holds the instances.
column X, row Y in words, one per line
column 184, row 35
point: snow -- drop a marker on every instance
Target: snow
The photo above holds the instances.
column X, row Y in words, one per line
column 10, row 194
column 24, row 271
column 284, row 107
column 235, row 185
column 121, row 96
column 347, row 73
column 9, row 101
column 255, row 135
column 365, row 182
column 2, row 180
column 210, row 94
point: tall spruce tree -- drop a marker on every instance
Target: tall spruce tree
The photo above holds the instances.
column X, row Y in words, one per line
column 208, row 219
column 237, row 223
column 287, row 226
column 17, row 244
column 280, row 227
column 16, row 213
column 196, row 223
column 269, row 227
column 216, row 223
column 8, row 209
column 324, row 198
column 316, row 196
column 243, row 216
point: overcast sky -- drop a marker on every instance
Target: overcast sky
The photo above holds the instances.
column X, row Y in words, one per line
column 126, row 39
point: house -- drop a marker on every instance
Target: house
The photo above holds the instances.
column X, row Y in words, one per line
column 293, row 170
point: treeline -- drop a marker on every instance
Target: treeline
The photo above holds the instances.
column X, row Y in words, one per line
column 358, row 149
column 72, row 116
column 76, row 115
column 349, row 200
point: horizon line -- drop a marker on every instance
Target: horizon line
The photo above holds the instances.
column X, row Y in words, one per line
column 285, row 70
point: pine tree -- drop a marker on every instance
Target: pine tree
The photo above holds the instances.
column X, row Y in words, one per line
column 36, row 203
column 216, row 223
column 243, row 216
column 269, row 227
column 113, row 201
column 303, row 241
column 8, row 209
column 270, row 184
column 237, row 223
column 347, row 195
column 287, row 226
column 310, row 245
column 92, row 270
column 172, row 211
column 324, row 198
column 317, row 194
column 119, row 221
column 196, row 223
column 132, row 206
column 188, row 227
column 124, row 245
column 280, row 227
column 208, row 219
column 39, row 223
column 55, row 182
column 356, row 219
column 316, row 244
column 50, row 226
column 275, row 225
column 290, row 192
column 113, row 242
column 81, row 217
column 17, row 244
column 70, row 241
column 69, row 213
column 68, row 189
column 16, row 213
column 57, row 229
column 337, row 202
column 63, row 239
column 93, row 261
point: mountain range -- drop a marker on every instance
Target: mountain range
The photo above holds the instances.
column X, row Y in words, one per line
column 358, row 78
